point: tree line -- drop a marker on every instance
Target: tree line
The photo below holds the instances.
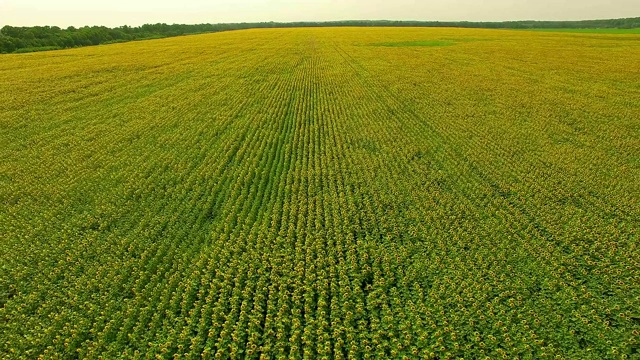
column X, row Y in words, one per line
column 38, row 38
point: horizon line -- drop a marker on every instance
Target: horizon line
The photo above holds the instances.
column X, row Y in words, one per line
column 337, row 21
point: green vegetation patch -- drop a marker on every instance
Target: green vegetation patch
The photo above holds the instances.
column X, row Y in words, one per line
column 427, row 43
column 36, row 49
column 593, row 31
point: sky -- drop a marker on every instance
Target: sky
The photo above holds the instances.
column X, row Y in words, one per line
column 111, row 13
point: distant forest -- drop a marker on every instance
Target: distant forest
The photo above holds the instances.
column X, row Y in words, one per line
column 40, row 38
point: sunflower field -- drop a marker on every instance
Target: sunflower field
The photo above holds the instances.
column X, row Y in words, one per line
column 323, row 193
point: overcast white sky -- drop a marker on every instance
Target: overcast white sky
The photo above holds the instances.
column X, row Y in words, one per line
column 136, row 12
